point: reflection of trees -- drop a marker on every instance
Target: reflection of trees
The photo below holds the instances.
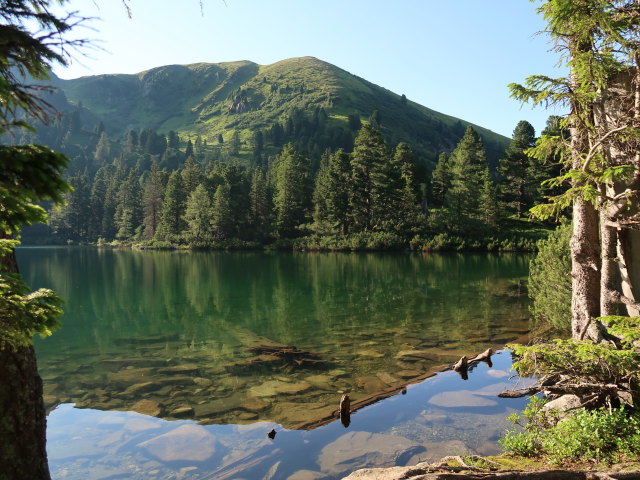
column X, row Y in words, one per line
column 291, row 298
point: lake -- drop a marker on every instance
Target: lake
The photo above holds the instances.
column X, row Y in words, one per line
column 175, row 364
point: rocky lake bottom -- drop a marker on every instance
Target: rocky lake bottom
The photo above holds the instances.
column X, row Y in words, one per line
column 174, row 412
column 232, row 365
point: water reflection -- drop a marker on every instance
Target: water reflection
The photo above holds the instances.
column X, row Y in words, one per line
column 180, row 334
column 209, row 337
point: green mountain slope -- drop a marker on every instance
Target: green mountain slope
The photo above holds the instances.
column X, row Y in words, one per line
column 210, row 99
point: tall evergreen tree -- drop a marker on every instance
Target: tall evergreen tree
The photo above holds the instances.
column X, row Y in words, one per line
column 441, row 180
column 70, row 221
column 114, row 176
column 96, row 203
column 128, row 215
column 291, row 191
column 406, row 197
column 198, row 216
column 469, row 173
column 188, row 152
column 222, row 214
column 153, row 197
column 368, row 162
column 103, row 150
column 260, row 207
column 514, row 171
column 171, row 219
column 191, row 175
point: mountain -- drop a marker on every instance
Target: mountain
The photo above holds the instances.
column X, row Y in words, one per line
column 208, row 100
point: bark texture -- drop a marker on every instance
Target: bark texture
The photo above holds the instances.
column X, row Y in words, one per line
column 585, row 268
column 23, row 453
column 619, row 108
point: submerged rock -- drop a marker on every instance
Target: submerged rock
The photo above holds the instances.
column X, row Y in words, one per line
column 148, row 407
column 363, row 449
column 180, row 369
column 460, row 398
column 130, row 376
column 371, row 384
column 139, row 388
column 187, row 443
column 272, row 388
column 182, row 412
column 307, row 475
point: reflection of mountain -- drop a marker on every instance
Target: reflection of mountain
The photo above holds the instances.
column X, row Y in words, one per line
column 172, row 329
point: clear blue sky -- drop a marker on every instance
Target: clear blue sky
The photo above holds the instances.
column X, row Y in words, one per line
column 454, row 57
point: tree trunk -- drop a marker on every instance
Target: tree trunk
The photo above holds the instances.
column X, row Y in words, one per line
column 23, row 453
column 620, row 244
column 609, row 277
column 585, row 268
column 629, row 264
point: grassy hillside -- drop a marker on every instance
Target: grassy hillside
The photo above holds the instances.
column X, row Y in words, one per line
column 211, row 99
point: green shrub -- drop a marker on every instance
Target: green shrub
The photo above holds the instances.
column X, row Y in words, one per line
column 550, row 280
column 584, row 436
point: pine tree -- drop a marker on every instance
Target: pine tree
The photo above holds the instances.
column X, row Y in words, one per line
column 222, row 215
column 191, row 175
column 173, row 206
column 441, row 180
column 321, row 190
column 152, row 200
column 515, row 170
column 128, row 216
column 103, row 150
column 70, row 221
column 259, row 205
column 406, row 196
column 291, row 191
column 198, row 216
column 469, row 172
column 96, row 203
column 188, row 152
column 368, row 162
column 115, row 175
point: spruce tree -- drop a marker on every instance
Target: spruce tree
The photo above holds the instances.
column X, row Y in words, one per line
column 191, row 175
column 153, row 197
column 198, row 216
column 441, row 180
column 259, row 205
column 96, row 204
column 171, row 220
column 406, row 196
column 515, row 170
column 103, row 150
column 128, row 216
column 222, row 214
column 291, row 191
column 368, row 162
column 469, row 172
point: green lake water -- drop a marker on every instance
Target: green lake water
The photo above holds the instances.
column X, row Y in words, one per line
column 177, row 364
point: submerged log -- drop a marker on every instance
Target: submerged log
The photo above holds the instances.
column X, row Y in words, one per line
column 393, row 390
column 462, row 364
column 519, row 393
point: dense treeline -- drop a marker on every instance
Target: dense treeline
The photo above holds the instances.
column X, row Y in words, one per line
column 160, row 191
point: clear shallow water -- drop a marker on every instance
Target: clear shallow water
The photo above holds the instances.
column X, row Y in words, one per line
column 156, row 374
